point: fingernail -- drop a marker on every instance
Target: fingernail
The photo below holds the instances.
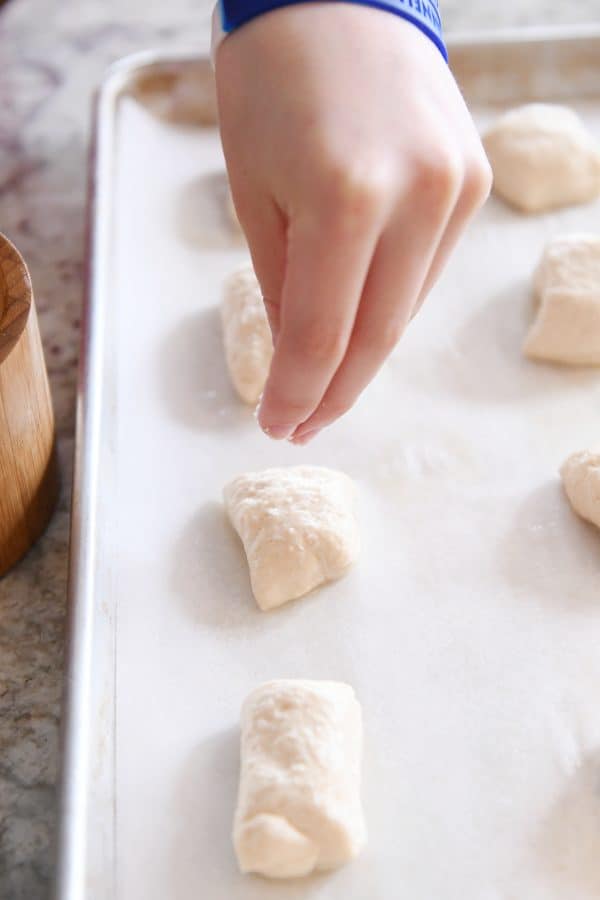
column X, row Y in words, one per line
column 276, row 432
column 279, row 432
column 305, row 437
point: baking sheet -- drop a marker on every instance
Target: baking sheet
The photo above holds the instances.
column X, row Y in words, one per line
column 471, row 627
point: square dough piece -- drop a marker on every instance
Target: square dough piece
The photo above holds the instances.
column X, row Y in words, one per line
column 298, row 805
column 297, row 526
column 581, row 480
column 567, row 289
column 543, row 157
column 246, row 335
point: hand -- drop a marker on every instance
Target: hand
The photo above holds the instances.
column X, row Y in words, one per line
column 354, row 167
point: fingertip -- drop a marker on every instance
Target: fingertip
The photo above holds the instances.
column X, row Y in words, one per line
column 305, row 438
column 276, row 430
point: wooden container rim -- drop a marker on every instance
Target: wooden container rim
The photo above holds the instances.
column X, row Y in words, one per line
column 16, row 296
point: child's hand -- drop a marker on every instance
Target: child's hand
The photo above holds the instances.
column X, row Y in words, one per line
column 354, row 167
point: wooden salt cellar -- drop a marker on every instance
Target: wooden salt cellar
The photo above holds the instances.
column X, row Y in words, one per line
column 29, row 482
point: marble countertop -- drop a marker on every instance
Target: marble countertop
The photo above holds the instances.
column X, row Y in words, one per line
column 52, row 57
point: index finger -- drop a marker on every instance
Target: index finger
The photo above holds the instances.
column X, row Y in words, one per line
column 327, row 264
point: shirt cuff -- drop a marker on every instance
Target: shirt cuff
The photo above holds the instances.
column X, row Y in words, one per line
column 424, row 14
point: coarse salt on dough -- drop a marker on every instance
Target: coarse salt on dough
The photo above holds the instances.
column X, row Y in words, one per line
column 566, row 328
column 297, row 526
column 581, row 480
column 299, row 807
column 543, row 157
column 246, row 335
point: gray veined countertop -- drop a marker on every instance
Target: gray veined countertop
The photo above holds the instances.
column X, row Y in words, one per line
column 52, row 56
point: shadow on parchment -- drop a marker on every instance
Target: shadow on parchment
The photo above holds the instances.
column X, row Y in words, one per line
column 194, row 382
column 210, row 577
column 484, row 362
column 203, row 862
column 202, row 214
column 569, row 842
column 210, row 573
column 552, row 554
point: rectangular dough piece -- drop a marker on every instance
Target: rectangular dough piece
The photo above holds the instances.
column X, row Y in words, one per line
column 299, row 806
column 247, row 337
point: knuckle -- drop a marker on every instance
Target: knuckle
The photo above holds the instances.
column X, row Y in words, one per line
column 477, row 183
column 355, row 189
column 380, row 342
column 438, row 176
column 319, row 344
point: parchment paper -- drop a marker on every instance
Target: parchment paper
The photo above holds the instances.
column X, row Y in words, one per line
column 471, row 627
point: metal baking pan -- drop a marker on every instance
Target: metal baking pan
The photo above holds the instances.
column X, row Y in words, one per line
column 471, row 627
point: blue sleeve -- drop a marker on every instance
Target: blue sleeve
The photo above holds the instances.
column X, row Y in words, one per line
column 422, row 13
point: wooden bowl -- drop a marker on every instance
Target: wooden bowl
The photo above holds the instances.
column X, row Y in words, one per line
column 29, row 480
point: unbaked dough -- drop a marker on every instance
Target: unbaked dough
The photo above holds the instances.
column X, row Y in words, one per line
column 298, row 528
column 246, row 335
column 299, row 805
column 567, row 291
column 543, row 157
column 193, row 98
column 581, row 479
